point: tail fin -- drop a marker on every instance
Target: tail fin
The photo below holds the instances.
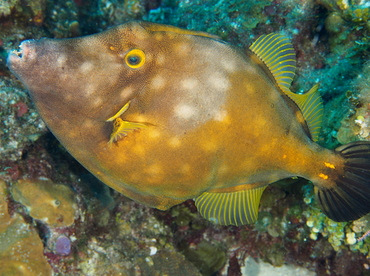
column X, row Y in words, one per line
column 350, row 198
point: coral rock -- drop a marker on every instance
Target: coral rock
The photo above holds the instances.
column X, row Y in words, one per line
column 47, row 201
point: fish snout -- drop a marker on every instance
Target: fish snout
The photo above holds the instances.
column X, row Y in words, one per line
column 19, row 61
column 26, row 51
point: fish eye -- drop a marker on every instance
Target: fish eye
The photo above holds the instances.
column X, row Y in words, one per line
column 135, row 58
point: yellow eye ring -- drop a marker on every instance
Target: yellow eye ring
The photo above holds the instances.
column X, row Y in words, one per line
column 135, row 58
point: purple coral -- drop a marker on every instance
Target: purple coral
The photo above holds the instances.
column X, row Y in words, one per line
column 63, row 245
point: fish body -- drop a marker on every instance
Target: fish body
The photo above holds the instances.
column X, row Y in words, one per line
column 163, row 115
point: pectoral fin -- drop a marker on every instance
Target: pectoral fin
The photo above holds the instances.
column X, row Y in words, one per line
column 230, row 208
column 121, row 128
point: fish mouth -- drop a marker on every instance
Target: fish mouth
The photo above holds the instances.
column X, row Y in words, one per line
column 25, row 51
column 18, row 52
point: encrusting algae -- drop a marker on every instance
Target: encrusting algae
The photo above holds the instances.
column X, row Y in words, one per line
column 222, row 124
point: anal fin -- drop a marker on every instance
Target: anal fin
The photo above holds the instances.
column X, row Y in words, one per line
column 230, row 208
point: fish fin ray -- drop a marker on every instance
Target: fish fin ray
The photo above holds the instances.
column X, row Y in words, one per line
column 278, row 54
column 153, row 27
column 349, row 198
column 230, row 208
column 120, row 112
column 121, row 128
column 312, row 109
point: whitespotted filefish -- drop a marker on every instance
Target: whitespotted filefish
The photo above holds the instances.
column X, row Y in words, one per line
column 162, row 115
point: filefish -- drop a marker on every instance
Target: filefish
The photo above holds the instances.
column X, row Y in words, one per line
column 163, row 114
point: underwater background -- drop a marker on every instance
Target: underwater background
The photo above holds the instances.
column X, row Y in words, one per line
column 62, row 221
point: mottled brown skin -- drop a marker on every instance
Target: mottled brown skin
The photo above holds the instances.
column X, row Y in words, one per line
column 216, row 117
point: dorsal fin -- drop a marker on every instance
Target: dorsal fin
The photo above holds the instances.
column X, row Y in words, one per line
column 167, row 28
column 230, row 208
column 278, row 54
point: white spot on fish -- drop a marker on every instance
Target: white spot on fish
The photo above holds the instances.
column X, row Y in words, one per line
column 155, row 169
column 96, row 101
column 189, row 84
column 61, row 60
column 160, row 59
column 182, row 48
column 221, row 116
column 153, row 134
column 157, row 82
column 89, row 88
column 174, row 142
column 126, row 92
column 86, row 67
column 229, row 65
column 185, row 111
column 218, row 81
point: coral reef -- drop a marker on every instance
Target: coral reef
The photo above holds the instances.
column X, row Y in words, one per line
column 20, row 124
column 62, row 19
column 7, row 6
column 356, row 126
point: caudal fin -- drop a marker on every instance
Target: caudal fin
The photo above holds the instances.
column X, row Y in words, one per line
column 349, row 199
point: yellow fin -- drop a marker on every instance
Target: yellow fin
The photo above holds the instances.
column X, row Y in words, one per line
column 312, row 109
column 121, row 128
column 167, row 28
column 278, row 54
column 232, row 208
column 119, row 113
